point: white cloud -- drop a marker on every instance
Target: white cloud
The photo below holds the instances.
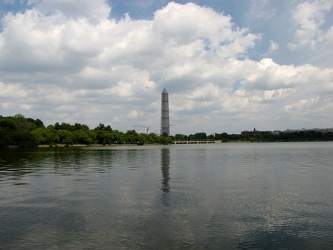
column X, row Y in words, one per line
column 274, row 46
column 67, row 64
column 209, row 92
column 328, row 38
column 182, row 25
column 133, row 114
column 309, row 16
column 12, row 91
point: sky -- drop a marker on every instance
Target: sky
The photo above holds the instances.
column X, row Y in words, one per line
column 228, row 65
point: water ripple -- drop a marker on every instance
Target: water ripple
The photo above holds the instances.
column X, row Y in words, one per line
column 226, row 196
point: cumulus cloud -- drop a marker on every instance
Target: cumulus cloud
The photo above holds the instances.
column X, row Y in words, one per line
column 309, row 16
column 61, row 62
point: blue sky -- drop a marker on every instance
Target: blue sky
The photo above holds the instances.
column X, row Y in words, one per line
column 227, row 65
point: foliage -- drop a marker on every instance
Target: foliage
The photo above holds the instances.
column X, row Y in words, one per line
column 65, row 137
column 280, row 137
column 5, row 137
column 16, row 130
column 180, row 137
column 28, row 132
column 69, row 127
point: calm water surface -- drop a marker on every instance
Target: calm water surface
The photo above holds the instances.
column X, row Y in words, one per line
column 220, row 196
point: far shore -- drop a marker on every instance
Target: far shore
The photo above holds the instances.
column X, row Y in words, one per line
column 84, row 145
column 61, row 145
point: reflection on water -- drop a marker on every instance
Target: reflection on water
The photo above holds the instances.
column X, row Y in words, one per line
column 165, row 165
column 227, row 196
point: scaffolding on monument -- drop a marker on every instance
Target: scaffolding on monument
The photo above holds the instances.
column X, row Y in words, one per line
column 165, row 122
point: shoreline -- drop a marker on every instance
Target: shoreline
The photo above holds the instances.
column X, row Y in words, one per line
column 60, row 145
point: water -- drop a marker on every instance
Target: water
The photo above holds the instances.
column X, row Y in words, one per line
column 216, row 196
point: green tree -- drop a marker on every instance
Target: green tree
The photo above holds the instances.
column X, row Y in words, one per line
column 78, row 126
column 141, row 139
column 51, row 136
column 24, row 138
column 92, row 136
column 152, row 138
column 119, row 137
column 164, row 140
column 5, row 137
column 200, row 136
column 8, row 127
column 100, row 126
column 65, row 137
column 108, row 128
column 84, row 136
column 39, row 135
column 38, row 123
column 180, row 137
column 8, row 123
column 108, row 138
column 131, row 136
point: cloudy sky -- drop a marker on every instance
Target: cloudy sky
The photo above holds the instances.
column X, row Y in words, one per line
column 228, row 65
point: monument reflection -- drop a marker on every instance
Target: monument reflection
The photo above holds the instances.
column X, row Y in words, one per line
column 165, row 167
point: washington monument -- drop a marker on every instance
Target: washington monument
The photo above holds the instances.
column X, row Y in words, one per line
column 165, row 123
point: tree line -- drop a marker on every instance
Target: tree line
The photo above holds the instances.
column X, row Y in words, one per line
column 265, row 136
column 27, row 132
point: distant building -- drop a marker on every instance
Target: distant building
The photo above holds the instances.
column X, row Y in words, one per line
column 165, row 122
column 255, row 132
column 251, row 133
